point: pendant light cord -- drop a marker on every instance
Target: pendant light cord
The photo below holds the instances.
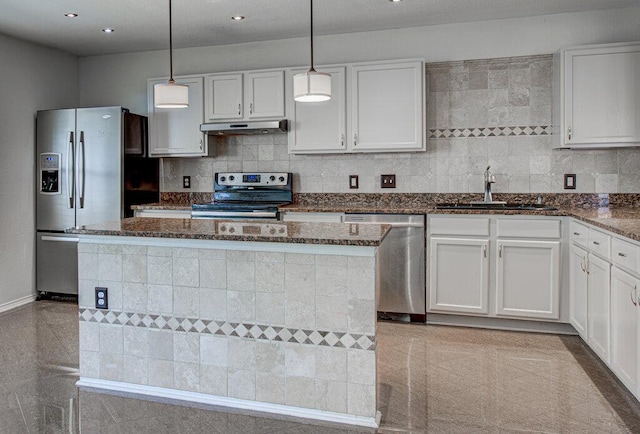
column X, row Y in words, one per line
column 311, row 27
column 170, row 46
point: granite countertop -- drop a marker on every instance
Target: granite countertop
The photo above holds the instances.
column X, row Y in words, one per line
column 370, row 235
column 163, row 206
column 623, row 221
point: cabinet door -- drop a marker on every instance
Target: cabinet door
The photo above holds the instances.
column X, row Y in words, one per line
column 578, row 290
column 459, row 275
column 602, row 96
column 223, row 96
column 264, row 94
column 319, row 127
column 624, row 328
column 598, row 306
column 528, row 279
column 176, row 132
column 387, row 107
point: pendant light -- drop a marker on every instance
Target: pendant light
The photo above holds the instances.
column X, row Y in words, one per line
column 171, row 94
column 312, row 86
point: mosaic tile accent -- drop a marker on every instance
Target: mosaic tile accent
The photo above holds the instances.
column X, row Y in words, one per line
column 230, row 329
column 535, row 130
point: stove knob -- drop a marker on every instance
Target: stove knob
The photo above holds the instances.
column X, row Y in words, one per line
column 223, row 179
column 281, row 179
column 281, row 230
column 223, row 228
column 231, row 178
column 272, row 178
column 231, row 230
column 272, row 231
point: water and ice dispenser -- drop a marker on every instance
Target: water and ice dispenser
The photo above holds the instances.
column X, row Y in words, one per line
column 50, row 173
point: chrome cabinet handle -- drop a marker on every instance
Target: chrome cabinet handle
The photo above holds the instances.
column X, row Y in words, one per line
column 239, row 108
column 633, row 295
column 582, row 264
column 355, row 139
column 577, row 234
column 251, row 108
column 484, row 250
column 569, row 133
column 81, row 172
column 596, row 243
column 342, row 140
column 622, row 255
column 500, row 251
column 71, row 169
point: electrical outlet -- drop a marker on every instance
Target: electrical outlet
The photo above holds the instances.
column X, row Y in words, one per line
column 387, row 181
column 353, row 181
column 569, row 181
column 102, row 298
column 186, row 182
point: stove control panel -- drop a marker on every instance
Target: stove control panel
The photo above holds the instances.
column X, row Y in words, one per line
column 253, row 179
column 254, row 229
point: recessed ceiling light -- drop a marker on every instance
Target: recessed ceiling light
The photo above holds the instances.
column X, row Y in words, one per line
column 237, row 18
column 395, row 1
column 108, row 30
column 70, row 15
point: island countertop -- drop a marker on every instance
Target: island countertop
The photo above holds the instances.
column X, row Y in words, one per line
column 368, row 235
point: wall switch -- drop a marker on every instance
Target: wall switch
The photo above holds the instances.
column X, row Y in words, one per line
column 102, row 298
column 569, row 181
column 353, row 181
column 186, row 182
column 387, row 181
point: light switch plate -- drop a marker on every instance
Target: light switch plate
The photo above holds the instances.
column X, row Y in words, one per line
column 387, row 181
column 569, row 181
column 353, row 182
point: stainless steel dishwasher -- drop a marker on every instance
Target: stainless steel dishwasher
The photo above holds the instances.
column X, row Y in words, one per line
column 400, row 261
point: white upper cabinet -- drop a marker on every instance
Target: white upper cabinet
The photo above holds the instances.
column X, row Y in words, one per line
column 245, row 96
column 597, row 96
column 374, row 107
column 387, row 107
column 319, row 127
column 176, row 132
column 223, row 96
column 264, row 94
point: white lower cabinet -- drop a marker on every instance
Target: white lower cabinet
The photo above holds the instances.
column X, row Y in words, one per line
column 494, row 266
column 459, row 275
column 625, row 328
column 598, row 292
column 578, row 290
column 528, row 283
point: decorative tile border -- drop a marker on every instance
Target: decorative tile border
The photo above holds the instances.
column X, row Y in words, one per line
column 235, row 329
column 534, row 130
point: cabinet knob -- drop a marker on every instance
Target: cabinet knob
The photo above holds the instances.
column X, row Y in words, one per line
column 569, row 133
column 577, row 234
column 342, row 140
column 355, row 139
column 239, row 108
column 251, row 108
column 622, row 255
column 596, row 243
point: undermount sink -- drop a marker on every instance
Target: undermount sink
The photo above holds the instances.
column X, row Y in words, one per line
column 498, row 206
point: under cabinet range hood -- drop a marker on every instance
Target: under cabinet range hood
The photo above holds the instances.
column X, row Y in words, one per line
column 245, row 128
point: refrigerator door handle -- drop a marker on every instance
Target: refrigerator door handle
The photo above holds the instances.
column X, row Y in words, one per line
column 81, row 171
column 71, row 169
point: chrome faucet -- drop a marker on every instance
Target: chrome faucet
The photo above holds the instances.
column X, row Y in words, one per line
column 488, row 180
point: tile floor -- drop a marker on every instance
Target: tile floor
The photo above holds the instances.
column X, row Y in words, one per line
column 431, row 380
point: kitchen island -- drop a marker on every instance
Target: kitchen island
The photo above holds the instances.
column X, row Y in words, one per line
column 266, row 316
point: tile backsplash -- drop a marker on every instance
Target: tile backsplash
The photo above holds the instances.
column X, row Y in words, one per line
column 493, row 112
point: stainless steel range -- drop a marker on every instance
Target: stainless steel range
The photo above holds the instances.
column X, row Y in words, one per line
column 254, row 195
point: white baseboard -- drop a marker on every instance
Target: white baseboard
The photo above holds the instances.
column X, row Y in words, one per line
column 17, row 303
column 161, row 394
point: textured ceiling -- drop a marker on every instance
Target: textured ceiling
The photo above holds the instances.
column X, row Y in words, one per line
column 143, row 24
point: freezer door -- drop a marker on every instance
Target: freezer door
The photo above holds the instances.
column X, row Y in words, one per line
column 99, row 159
column 55, row 136
column 57, row 263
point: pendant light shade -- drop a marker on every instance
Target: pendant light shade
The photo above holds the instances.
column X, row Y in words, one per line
column 170, row 94
column 312, row 86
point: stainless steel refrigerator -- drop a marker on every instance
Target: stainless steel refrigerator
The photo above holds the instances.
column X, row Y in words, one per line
column 80, row 164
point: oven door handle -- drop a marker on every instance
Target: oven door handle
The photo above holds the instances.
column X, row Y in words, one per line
column 211, row 214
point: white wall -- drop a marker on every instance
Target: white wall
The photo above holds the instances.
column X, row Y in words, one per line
column 31, row 78
column 121, row 79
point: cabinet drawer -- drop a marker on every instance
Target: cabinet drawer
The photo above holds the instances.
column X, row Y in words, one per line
column 625, row 254
column 599, row 243
column 459, row 226
column 528, row 228
column 578, row 233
